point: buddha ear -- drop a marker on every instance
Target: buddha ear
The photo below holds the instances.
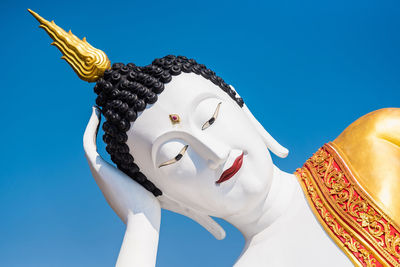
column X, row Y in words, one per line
column 203, row 219
column 269, row 141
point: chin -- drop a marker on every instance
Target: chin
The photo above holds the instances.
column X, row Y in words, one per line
column 247, row 192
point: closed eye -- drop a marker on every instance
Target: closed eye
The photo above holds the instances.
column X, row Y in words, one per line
column 176, row 159
column 213, row 118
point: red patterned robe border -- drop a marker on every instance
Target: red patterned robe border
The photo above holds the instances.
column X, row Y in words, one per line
column 350, row 217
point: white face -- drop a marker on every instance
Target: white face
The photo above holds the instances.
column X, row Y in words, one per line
column 153, row 139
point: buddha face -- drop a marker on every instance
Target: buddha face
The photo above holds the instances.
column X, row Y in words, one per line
column 201, row 149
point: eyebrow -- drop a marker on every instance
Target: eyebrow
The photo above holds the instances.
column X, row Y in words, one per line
column 176, row 159
column 213, row 118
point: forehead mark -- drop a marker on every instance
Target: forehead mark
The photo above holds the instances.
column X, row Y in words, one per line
column 175, row 119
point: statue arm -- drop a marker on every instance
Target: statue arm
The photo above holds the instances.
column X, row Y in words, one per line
column 139, row 247
column 135, row 206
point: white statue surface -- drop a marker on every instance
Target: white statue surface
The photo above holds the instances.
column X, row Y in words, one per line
column 183, row 140
column 266, row 204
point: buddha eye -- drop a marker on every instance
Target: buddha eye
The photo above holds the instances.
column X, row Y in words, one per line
column 213, row 118
column 176, row 159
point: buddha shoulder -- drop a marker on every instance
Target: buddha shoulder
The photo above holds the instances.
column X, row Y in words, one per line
column 371, row 148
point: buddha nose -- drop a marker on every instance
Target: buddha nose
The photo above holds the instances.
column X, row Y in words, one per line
column 213, row 164
column 215, row 152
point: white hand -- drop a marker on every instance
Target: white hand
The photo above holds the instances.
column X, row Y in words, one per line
column 137, row 207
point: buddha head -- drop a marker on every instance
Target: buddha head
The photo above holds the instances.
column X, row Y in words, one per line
column 180, row 131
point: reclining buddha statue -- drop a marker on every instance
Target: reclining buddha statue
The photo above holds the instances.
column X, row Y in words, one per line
column 182, row 139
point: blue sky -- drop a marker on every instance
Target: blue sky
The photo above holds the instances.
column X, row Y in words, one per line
column 306, row 69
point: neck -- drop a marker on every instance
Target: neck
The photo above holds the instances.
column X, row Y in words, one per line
column 278, row 224
column 284, row 189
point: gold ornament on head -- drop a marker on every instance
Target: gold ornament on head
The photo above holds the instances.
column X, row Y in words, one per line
column 88, row 62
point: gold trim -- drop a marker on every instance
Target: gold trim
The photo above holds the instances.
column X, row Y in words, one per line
column 314, row 201
column 344, row 159
column 88, row 62
column 347, row 213
column 371, row 217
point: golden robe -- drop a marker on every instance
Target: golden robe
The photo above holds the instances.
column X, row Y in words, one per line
column 353, row 187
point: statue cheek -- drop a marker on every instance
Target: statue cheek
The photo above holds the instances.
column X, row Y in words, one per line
column 187, row 177
column 177, row 175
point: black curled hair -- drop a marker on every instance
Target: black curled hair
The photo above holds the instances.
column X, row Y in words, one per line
column 125, row 90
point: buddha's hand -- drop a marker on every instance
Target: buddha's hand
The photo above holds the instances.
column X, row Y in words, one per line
column 125, row 196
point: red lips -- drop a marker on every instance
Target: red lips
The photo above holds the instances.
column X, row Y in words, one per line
column 227, row 174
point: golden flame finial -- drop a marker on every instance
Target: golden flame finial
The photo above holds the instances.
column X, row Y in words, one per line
column 88, row 62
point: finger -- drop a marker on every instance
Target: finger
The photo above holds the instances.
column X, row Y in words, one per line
column 89, row 137
column 120, row 191
column 96, row 162
column 106, row 176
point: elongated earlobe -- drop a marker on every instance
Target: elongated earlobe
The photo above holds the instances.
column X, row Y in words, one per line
column 269, row 141
column 203, row 219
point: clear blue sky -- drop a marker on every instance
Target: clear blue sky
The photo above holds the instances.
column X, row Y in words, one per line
column 306, row 69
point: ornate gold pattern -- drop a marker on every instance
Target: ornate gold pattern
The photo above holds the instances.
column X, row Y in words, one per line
column 370, row 146
column 88, row 62
column 350, row 217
